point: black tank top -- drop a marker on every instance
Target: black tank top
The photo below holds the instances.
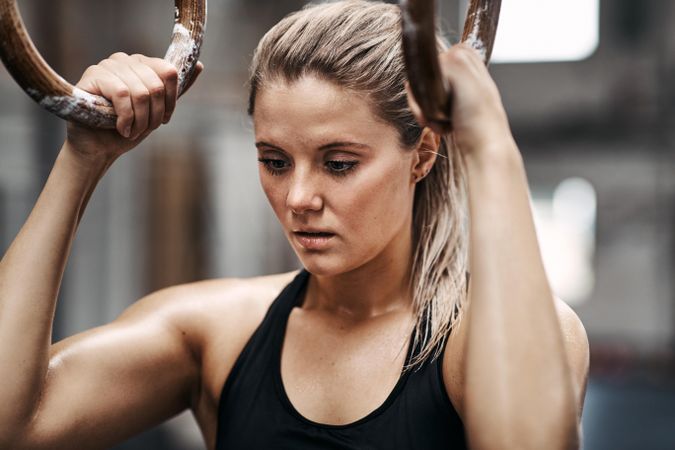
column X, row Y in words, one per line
column 255, row 413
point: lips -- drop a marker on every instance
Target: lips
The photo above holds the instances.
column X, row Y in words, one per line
column 314, row 240
column 314, row 233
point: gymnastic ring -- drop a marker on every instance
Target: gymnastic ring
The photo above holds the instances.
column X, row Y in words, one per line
column 55, row 94
column 432, row 93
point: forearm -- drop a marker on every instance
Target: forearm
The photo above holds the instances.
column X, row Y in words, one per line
column 30, row 276
column 518, row 382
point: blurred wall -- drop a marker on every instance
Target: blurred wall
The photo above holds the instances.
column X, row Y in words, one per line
column 608, row 119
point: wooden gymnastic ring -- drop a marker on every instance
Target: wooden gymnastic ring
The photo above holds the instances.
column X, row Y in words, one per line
column 55, row 94
column 432, row 93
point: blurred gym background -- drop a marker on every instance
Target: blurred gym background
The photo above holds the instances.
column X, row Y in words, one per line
column 589, row 86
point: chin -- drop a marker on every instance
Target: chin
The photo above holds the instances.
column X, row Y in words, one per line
column 323, row 264
column 316, row 265
column 333, row 261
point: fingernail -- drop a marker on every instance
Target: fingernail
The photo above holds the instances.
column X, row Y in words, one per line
column 127, row 132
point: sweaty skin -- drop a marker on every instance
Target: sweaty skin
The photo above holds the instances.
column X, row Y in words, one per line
column 516, row 366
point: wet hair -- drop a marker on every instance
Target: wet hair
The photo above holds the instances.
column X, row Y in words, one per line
column 356, row 44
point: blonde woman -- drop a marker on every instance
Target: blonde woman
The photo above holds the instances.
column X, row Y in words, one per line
column 380, row 341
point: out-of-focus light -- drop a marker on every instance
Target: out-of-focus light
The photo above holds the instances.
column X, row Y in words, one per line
column 574, row 204
column 565, row 225
column 546, row 30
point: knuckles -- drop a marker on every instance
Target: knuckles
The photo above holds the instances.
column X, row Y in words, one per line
column 121, row 92
column 128, row 93
column 91, row 70
column 141, row 96
column 119, row 56
column 156, row 90
column 169, row 73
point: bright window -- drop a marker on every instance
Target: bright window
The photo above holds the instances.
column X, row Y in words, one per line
column 565, row 220
column 546, row 30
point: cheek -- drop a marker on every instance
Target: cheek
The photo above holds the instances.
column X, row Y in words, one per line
column 274, row 192
column 379, row 205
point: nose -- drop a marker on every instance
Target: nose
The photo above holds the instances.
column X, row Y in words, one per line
column 303, row 194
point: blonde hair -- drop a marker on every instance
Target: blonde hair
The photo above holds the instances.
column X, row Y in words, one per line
column 357, row 45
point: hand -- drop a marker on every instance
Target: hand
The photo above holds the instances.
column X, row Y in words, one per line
column 143, row 92
column 479, row 122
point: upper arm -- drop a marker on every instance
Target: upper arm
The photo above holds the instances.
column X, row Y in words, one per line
column 113, row 381
column 576, row 350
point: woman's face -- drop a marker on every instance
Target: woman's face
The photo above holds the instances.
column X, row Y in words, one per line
column 329, row 165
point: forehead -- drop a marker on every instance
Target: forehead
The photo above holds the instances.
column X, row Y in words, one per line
column 313, row 111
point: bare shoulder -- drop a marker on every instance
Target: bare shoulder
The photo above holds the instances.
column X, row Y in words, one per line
column 167, row 352
column 576, row 347
column 194, row 307
column 216, row 318
column 573, row 330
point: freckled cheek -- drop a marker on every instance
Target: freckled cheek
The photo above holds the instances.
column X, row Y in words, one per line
column 375, row 208
column 275, row 195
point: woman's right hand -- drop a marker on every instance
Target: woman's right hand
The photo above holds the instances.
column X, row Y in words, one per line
column 143, row 91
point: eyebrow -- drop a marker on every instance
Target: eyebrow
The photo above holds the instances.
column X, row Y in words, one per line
column 324, row 147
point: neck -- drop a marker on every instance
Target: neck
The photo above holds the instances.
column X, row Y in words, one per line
column 375, row 288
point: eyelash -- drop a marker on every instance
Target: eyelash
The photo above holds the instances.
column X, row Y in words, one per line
column 350, row 165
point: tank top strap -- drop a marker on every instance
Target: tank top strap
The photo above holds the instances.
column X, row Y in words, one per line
column 288, row 298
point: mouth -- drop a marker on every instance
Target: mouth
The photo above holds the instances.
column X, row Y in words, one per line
column 313, row 234
column 319, row 240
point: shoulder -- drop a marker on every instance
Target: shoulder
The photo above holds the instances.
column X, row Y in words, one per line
column 206, row 298
column 576, row 347
column 575, row 343
column 573, row 330
column 214, row 319
column 226, row 304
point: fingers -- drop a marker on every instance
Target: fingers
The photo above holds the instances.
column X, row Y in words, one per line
column 475, row 101
column 465, row 72
column 156, row 91
column 464, row 68
column 139, row 93
column 143, row 91
column 168, row 74
column 100, row 81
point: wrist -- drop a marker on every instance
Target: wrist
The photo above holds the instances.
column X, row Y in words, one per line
column 88, row 164
column 87, row 159
column 494, row 155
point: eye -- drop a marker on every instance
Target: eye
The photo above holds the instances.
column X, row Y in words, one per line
column 273, row 166
column 341, row 168
column 336, row 167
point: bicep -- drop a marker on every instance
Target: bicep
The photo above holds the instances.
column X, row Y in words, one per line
column 111, row 382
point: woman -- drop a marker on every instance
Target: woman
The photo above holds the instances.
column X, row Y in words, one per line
column 364, row 347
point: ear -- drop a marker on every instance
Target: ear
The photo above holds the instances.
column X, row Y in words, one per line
column 424, row 156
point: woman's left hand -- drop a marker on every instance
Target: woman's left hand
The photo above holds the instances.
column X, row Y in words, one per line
column 479, row 123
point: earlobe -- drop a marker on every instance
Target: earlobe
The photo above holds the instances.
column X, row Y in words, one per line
column 419, row 177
